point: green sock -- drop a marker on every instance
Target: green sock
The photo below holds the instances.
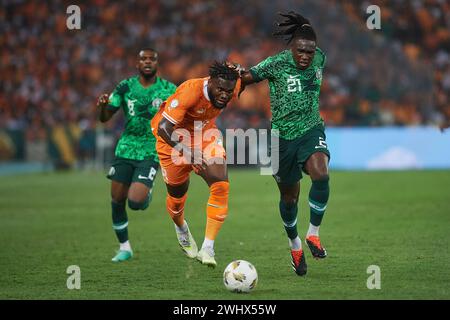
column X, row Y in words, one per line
column 120, row 220
column 318, row 198
column 289, row 216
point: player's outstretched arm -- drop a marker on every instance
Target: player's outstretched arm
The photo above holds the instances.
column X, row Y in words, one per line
column 246, row 76
column 102, row 103
column 165, row 131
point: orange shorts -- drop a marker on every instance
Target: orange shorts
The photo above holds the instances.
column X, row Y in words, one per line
column 175, row 169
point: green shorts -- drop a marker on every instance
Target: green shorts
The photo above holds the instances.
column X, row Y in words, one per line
column 127, row 171
column 293, row 154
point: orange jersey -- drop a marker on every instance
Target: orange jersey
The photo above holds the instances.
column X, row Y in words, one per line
column 189, row 106
column 189, row 103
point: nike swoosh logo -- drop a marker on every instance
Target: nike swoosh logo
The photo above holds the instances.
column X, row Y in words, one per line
column 317, row 147
column 142, row 177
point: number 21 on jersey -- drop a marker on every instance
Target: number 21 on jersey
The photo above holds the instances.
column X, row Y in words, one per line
column 294, row 84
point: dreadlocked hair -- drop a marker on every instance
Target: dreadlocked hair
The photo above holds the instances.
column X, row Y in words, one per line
column 297, row 26
column 222, row 70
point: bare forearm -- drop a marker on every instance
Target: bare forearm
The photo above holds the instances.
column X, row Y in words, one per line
column 247, row 78
column 167, row 132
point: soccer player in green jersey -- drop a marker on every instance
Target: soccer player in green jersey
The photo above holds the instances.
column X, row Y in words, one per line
column 294, row 78
column 136, row 162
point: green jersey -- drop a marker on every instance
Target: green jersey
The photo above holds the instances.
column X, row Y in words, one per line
column 294, row 93
column 139, row 105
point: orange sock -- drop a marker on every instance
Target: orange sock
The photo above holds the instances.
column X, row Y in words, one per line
column 175, row 208
column 217, row 208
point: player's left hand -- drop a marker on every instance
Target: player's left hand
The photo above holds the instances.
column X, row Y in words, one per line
column 103, row 100
column 199, row 163
column 236, row 66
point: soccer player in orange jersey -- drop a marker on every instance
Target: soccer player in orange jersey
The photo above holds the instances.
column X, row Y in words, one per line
column 188, row 139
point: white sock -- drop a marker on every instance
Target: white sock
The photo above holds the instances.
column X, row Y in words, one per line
column 183, row 228
column 313, row 230
column 125, row 246
column 295, row 244
column 208, row 243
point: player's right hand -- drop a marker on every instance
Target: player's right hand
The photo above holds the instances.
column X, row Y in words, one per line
column 103, row 100
column 199, row 163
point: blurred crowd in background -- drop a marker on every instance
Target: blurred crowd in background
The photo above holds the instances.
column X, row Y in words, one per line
column 51, row 76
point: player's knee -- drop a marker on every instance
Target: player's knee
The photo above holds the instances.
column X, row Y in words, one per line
column 118, row 198
column 137, row 205
column 319, row 173
column 220, row 188
column 289, row 201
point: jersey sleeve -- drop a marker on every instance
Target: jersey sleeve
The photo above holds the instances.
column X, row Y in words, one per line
column 116, row 98
column 321, row 58
column 184, row 98
column 263, row 70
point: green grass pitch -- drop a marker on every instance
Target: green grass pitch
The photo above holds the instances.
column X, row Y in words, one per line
column 399, row 221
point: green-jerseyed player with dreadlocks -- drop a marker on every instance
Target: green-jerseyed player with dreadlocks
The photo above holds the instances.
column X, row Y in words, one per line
column 136, row 162
column 294, row 78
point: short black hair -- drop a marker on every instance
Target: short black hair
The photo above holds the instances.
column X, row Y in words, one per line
column 297, row 26
column 222, row 70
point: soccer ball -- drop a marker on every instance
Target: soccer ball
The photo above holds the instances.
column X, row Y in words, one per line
column 240, row 276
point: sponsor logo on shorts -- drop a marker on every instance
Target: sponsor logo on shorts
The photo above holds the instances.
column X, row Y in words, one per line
column 237, row 143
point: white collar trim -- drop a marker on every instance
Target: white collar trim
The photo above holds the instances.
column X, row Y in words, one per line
column 205, row 90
